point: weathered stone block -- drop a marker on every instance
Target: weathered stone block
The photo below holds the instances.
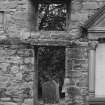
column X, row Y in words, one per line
column 90, row 5
column 14, row 59
column 83, row 83
column 19, row 76
column 84, row 92
column 6, row 99
column 6, row 6
column 80, row 66
column 75, row 74
column 17, row 100
column 28, row 60
column 8, row 103
column 28, row 102
column 4, row 66
column 4, row 78
column 76, row 6
column 15, row 69
column 79, row 17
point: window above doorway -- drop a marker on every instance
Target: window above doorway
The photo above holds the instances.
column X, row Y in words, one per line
column 52, row 15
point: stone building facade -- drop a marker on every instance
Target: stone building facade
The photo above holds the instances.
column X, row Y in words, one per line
column 17, row 58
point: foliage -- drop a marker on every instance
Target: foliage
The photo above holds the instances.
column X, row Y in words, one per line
column 52, row 17
column 51, row 63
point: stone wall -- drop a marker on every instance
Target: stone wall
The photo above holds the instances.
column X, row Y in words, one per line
column 78, row 75
column 16, row 62
column 16, row 75
column 83, row 9
column 17, row 18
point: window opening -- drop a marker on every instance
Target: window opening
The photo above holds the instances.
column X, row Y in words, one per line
column 52, row 17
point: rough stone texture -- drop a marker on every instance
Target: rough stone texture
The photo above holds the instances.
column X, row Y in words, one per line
column 16, row 66
column 16, row 62
column 78, row 73
column 17, row 17
column 83, row 9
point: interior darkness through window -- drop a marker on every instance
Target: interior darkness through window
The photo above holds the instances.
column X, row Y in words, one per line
column 51, row 65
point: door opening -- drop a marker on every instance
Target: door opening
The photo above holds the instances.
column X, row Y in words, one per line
column 51, row 66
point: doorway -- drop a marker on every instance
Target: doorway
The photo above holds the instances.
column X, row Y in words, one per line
column 51, row 65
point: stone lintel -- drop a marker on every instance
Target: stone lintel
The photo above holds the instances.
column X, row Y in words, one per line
column 52, row 1
column 46, row 42
column 56, row 38
column 41, row 42
column 51, row 35
column 44, row 38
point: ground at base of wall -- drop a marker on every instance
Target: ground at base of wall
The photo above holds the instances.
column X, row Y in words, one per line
column 8, row 103
column 28, row 102
column 61, row 102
